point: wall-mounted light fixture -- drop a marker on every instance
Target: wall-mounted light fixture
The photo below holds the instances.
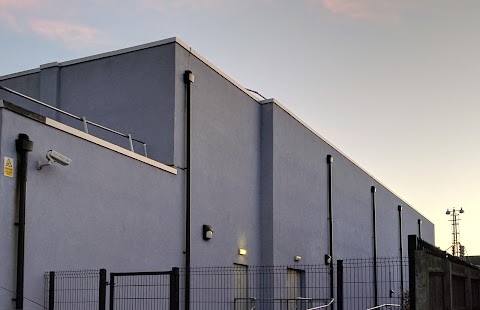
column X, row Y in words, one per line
column 242, row 251
column 328, row 259
column 207, row 232
column 297, row 258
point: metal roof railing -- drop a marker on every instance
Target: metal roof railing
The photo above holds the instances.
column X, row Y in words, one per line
column 82, row 119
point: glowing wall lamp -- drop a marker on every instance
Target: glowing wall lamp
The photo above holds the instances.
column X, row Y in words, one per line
column 242, row 251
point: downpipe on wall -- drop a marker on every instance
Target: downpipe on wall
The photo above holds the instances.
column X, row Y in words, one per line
column 330, row 222
column 419, row 221
column 23, row 145
column 400, row 233
column 188, row 79
column 373, row 189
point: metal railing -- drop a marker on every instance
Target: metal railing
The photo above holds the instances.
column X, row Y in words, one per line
column 82, row 119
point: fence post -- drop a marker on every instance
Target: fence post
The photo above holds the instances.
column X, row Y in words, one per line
column 51, row 291
column 174, row 289
column 412, row 247
column 340, row 284
column 102, row 289
column 112, row 290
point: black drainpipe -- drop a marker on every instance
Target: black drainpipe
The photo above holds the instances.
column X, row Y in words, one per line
column 401, row 251
column 330, row 221
column 420, row 228
column 188, row 79
column 23, row 146
column 374, row 208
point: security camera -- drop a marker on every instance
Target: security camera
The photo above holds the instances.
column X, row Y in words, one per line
column 54, row 157
column 58, row 158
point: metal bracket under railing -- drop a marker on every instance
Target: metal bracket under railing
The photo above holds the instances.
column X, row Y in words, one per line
column 83, row 119
column 323, row 306
column 252, row 301
column 385, row 305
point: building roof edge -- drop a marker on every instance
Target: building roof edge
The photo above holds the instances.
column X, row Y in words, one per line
column 289, row 112
column 85, row 136
column 18, row 74
column 120, row 51
column 215, row 68
column 93, row 57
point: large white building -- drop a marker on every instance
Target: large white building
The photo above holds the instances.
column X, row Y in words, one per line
column 255, row 173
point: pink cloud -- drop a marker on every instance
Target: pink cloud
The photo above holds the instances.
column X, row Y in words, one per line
column 22, row 4
column 10, row 10
column 377, row 10
column 179, row 4
column 71, row 34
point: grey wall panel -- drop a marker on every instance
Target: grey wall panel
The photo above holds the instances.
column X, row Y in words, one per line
column 300, row 198
column 131, row 93
column 225, row 166
column 300, row 206
column 267, row 240
column 8, row 231
column 104, row 210
column 352, row 197
column 49, row 84
column 182, row 63
column 28, row 85
column 388, row 230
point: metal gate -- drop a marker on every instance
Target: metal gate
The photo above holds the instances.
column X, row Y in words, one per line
column 144, row 290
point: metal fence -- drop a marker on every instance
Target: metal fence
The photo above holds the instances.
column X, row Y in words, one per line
column 259, row 287
column 359, row 287
column 144, row 290
column 75, row 290
column 238, row 287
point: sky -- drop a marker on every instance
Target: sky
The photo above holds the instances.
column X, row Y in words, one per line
column 394, row 84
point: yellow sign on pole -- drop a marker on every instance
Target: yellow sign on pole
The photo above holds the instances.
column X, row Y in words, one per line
column 8, row 166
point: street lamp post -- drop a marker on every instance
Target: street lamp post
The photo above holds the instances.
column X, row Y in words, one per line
column 456, row 246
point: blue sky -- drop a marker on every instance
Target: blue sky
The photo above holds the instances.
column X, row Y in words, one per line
column 394, row 84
